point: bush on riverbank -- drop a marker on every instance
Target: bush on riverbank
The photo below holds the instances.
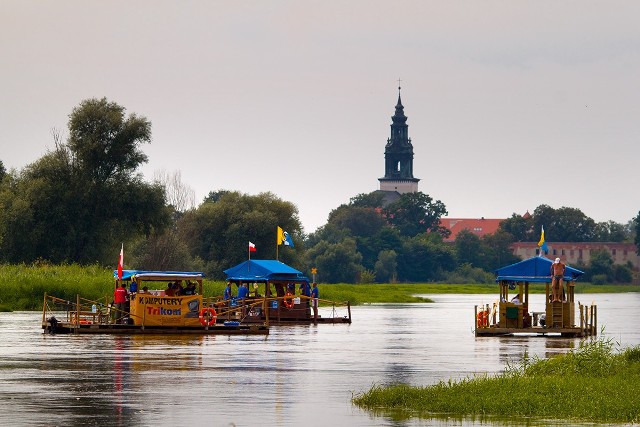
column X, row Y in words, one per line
column 591, row 383
column 24, row 286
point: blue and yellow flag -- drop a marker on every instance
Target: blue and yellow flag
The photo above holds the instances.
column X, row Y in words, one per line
column 283, row 238
column 280, row 237
column 542, row 243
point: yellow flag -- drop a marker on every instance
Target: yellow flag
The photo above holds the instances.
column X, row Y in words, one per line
column 280, row 238
column 541, row 242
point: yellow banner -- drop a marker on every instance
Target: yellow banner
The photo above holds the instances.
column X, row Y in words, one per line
column 152, row 310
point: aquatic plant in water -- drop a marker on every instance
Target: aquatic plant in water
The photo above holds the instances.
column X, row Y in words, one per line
column 595, row 382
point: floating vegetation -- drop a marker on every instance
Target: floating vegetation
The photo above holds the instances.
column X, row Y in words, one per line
column 591, row 383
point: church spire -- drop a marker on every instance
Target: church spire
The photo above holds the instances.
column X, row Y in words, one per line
column 398, row 155
column 399, row 116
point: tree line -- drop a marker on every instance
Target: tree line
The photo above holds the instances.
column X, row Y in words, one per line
column 83, row 198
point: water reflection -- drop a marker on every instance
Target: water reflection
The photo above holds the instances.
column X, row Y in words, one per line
column 298, row 375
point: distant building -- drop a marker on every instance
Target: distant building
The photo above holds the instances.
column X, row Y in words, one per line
column 479, row 227
column 573, row 253
column 398, row 156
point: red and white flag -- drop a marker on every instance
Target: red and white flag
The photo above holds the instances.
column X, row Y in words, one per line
column 252, row 247
column 121, row 262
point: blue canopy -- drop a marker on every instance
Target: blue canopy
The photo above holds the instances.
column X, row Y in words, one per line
column 536, row 269
column 261, row 270
column 161, row 275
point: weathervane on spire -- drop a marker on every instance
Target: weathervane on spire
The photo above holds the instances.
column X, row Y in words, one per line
column 399, row 85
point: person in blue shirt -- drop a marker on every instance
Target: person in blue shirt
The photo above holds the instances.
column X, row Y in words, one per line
column 133, row 287
column 314, row 298
column 227, row 292
column 305, row 290
column 243, row 291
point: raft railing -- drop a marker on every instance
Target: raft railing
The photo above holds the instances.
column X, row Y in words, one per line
column 223, row 307
column 80, row 311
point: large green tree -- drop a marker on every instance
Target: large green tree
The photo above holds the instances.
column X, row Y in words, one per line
column 520, row 227
column 561, row 225
column 336, row 262
column 416, row 213
column 219, row 230
column 81, row 199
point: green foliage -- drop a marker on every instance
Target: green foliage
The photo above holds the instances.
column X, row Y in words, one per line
column 609, row 231
column 79, row 201
column 104, row 143
column 371, row 200
column 425, row 258
column 469, row 248
column 359, row 221
column 563, row 225
column 367, row 276
column 622, row 273
column 163, row 251
column 219, row 230
column 599, row 279
column 416, row 213
column 519, row 227
column 24, row 285
column 386, row 266
column 591, row 383
column 466, row 273
column 336, row 262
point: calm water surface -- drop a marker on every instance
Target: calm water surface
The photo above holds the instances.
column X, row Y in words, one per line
column 298, row 375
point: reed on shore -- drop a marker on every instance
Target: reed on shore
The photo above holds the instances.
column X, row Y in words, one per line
column 23, row 287
column 591, row 383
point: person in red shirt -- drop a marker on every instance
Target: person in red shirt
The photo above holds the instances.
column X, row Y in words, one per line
column 120, row 299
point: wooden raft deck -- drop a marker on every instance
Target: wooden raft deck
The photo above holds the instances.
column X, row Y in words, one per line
column 574, row 332
column 96, row 328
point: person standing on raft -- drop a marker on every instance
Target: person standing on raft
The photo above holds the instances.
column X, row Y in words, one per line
column 557, row 273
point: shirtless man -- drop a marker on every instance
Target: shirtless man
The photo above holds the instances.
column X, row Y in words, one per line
column 557, row 273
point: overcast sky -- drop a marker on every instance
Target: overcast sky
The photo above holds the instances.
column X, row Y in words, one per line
column 510, row 104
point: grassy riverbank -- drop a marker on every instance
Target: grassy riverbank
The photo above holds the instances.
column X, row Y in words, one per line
column 592, row 383
column 23, row 287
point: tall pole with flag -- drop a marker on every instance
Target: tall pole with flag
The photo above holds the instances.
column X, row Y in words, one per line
column 542, row 243
column 282, row 238
column 121, row 262
column 279, row 240
column 252, row 248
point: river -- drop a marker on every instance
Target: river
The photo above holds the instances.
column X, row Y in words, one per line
column 298, row 375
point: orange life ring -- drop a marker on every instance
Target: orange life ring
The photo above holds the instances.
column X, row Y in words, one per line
column 287, row 301
column 209, row 312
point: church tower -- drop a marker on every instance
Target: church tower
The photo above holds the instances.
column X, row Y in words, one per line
column 398, row 156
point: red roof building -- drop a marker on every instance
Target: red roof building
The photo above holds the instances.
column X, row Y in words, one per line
column 479, row 227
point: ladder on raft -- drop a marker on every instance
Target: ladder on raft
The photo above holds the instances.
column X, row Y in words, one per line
column 557, row 314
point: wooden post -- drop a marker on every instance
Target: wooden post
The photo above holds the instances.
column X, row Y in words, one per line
column 77, row 311
column 44, row 307
column 595, row 320
column 349, row 310
column 582, row 331
column 475, row 319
